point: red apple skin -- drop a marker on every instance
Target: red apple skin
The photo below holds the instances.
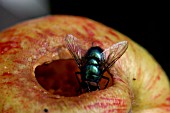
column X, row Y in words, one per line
column 140, row 84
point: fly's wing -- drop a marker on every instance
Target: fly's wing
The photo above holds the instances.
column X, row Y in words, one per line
column 73, row 45
column 113, row 53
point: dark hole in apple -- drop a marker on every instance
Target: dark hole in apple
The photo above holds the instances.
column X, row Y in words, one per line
column 58, row 77
column 45, row 110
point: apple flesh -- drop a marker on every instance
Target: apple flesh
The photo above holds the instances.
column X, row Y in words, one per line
column 37, row 71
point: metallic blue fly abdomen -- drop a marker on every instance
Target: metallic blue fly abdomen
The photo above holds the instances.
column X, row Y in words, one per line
column 92, row 62
column 92, row 72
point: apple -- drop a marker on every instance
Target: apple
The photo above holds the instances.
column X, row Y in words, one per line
column 37, row 72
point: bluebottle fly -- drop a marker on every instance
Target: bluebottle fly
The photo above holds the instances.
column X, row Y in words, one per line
column 93, row 62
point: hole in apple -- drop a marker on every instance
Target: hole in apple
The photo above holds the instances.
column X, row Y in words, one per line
column 58, row 77
column 45, row 110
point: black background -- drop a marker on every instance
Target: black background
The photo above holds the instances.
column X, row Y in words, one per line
column 146, row 23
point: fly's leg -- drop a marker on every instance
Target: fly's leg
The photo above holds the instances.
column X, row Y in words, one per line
column 110, row 75
column 107, row 81
column 98, row 86
column 78, row 73
column 88, row 88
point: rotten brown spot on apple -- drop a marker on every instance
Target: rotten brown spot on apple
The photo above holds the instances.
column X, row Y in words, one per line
column 58, row 77
column 134, row 78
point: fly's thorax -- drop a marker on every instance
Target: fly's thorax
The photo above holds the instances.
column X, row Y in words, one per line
column 94, row 53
